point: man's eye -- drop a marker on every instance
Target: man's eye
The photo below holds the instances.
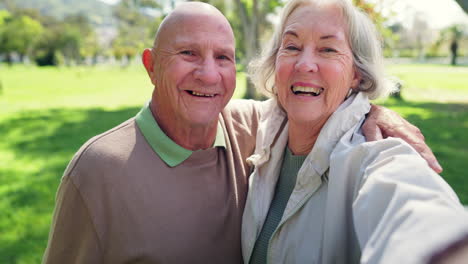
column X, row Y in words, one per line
column 222, row 57
column 187, row 52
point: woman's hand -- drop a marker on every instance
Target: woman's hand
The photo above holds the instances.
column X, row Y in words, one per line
column 383, row 122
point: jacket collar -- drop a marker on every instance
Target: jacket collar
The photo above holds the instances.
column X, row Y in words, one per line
column 348, row 114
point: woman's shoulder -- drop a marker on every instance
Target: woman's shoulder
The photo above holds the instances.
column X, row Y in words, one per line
column 357, row 148
column 386, row 158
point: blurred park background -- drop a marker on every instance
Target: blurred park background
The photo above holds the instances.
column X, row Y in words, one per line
column 70, row 69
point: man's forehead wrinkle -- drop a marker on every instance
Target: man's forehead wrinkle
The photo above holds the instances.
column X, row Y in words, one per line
column 164, row 51
column 182, row 42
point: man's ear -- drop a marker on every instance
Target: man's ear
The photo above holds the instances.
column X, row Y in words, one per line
column 148, row 62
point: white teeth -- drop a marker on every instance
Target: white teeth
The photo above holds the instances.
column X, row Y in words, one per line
column 202, row 94
column 303, row 89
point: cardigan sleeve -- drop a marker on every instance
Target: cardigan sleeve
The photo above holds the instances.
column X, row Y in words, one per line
column 72, row 238
column 403, row 211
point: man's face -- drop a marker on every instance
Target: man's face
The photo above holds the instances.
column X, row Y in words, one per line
column 194, row 70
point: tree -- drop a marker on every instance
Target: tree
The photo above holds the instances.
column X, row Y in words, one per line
column 18, row 34
column 86, row 44
column 66, row 42
column 137, row 26
column 463, row 4
column 250, row 24
column 457, row 34
column 451, row 35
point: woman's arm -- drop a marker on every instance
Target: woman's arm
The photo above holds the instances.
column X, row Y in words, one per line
column 403, row 211
column 382, row 122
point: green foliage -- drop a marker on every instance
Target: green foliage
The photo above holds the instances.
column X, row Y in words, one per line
column 453, row 33
column 97, row 11
column 248, row 19
column 70, row 39
column 4, row 15
column 463, row 4
column 251, row 27
column 389, row 38
column 47, row 40
column 137, row 27
column 18, row 33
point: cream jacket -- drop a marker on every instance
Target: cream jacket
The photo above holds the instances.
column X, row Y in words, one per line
column 354, row 201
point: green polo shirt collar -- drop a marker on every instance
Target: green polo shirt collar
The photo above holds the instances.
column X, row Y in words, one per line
column 171, row 153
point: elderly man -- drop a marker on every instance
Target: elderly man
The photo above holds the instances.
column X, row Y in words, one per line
column 169, row 185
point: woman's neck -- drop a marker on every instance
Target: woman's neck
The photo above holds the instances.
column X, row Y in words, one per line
column 302, row 137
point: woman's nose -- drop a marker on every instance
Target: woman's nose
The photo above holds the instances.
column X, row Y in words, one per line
column 307, row 63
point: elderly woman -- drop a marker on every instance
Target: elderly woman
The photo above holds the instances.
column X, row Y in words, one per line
column 329, row 196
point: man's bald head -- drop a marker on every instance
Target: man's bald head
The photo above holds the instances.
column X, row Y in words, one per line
column 187, row 12
column 193, row 69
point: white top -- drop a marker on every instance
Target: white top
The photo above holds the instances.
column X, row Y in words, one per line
column 354, row 201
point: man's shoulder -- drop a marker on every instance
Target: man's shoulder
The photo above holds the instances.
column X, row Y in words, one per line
column 105, row 149
column 246, row 110
column 244, row 106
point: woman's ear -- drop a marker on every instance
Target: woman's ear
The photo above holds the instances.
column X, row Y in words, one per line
column 356, row 79
column 148, row 62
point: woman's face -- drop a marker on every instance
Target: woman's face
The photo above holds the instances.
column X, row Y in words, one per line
column 314, row 65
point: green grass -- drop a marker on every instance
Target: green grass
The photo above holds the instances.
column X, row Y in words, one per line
column 445, row 127
column 25, row 88
column 433, row 83
column 46, row 114
column 436, row 101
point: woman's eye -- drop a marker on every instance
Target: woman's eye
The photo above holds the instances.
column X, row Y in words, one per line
column 290, row 47
column 328, row 50
column 187, row 52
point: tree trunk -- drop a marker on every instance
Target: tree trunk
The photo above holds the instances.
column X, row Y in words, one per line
column 9, row 59
column 250, row 34
column 463, row 4
column 453, row 52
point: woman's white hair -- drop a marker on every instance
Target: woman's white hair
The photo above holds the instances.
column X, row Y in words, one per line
column 363, row 39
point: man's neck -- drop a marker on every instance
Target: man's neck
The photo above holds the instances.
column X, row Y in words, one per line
column 189, row 137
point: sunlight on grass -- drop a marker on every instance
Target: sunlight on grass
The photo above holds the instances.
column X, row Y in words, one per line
column 437, row 83
column 444, row 126
column 48, row 87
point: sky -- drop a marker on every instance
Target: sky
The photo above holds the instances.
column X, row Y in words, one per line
column 437, row 13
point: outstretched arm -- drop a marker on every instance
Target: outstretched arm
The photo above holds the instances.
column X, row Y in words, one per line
column 402, row 207
column 456, row 253
column 383, row 122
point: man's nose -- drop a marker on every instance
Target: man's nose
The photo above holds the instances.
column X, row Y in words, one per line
column 307, row 62
column 208, row 71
